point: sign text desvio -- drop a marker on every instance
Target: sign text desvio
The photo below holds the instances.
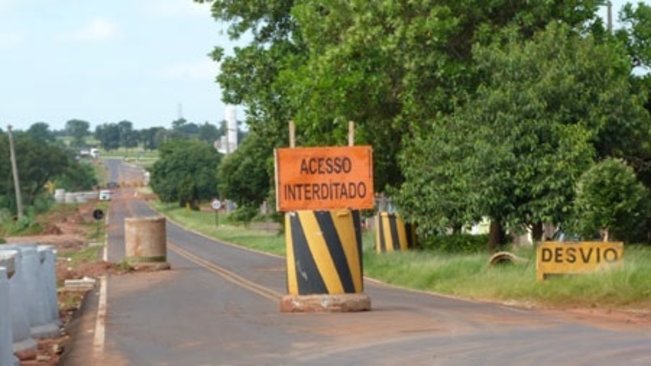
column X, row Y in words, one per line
column 580, row 257
column 324, row 178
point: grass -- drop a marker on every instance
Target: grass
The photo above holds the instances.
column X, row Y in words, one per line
column 204, row 222
column 470, row 276
column 465, row 275
column 86, row 255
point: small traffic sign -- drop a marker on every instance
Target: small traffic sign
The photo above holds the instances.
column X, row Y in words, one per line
column 216, row 204
column 98, row 214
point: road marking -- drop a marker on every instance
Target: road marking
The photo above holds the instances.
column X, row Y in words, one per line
column 100, row 321
column 214, row 240
column 227, row 275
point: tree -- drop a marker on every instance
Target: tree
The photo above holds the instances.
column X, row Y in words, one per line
column 40, row 131
column 128, row 137
column 78, row 129
column 514, row 151
column 244, row 175
column 78, row 176
column 108, row 135
column 208, row 133
column 389, row 66
column 148, row 137
column 38, row 163
column 610, row 199
column 186, row 172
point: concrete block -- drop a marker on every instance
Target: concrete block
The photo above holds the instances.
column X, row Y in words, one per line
column 50, row 281
column 81, row 285
column 45, row 320
column 23, row 343
column 7, row 357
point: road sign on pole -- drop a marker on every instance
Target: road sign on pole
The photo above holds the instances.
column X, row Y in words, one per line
column 324, row 178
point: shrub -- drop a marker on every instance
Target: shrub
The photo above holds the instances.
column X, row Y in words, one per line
column 243, row 214
column 455, row 243
column 609, row 197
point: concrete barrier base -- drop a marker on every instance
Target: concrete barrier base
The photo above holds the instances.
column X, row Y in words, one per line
column 150, row 266
column 26, row 349
column 45, row 331
column 340, row 303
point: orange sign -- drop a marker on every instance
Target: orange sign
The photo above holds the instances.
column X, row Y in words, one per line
column 324, row 178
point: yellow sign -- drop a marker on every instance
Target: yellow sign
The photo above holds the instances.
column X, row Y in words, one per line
column 324, row 178
column 576, row 257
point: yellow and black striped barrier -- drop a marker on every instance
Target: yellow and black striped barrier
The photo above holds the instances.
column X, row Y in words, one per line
column 392, row 234
column 324, row 252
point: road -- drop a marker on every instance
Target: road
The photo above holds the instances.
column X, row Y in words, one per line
column 219, row 306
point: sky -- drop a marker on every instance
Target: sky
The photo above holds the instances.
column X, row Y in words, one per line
column 107, row 61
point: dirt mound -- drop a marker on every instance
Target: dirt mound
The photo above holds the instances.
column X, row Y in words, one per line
column 52, row 230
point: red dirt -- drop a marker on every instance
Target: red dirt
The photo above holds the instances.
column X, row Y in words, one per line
column 67, row 232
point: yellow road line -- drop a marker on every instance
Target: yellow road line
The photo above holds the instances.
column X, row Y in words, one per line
column 226, row 274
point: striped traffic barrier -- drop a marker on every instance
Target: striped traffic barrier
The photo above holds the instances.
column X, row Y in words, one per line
column 7, row 357
column 392, row 233
column 324, row 262
column 23, row 344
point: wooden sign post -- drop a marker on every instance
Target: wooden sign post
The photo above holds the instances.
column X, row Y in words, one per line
column 321, row 189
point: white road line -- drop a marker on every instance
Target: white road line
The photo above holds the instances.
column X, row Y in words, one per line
column 100, row 321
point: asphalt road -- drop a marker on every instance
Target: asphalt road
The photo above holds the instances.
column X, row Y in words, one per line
column 219, row 306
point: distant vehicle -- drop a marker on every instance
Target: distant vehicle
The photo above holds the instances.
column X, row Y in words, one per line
column 94, row 153
column 104, row 195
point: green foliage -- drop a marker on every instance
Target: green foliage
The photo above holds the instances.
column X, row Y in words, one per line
column 244, row 214
column 609, row 197
column 26, row 225
column 636, row 32
column 244, row 176
column 2, row 240
column 78, row 129
column 455, row 243
column 515, row 150
column 186, row 172
column 78, row 176
column 40, row 131
column 38, row 163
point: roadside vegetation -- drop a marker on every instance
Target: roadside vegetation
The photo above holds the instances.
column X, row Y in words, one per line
column 466, row 275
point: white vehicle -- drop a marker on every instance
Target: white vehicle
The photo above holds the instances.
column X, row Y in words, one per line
column 104, row 195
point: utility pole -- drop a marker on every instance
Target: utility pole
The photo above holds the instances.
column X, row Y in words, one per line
column 14, row 169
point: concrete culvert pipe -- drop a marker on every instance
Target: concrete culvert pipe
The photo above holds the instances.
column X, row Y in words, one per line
column 505, row 258
column 145, row 242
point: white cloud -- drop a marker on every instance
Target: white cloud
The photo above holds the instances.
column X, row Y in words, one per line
column 204, row 69
column 176, row 8
column 10, row 40
column 97, row 29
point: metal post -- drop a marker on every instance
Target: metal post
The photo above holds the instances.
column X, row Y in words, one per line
column 14, row 169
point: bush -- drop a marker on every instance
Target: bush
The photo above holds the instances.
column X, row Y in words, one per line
column 455, row 243
column 609, row 197
column 244, row 214
column 3, row 241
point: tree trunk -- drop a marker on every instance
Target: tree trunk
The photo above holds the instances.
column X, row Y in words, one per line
column 495, row 236
column 456, row 228
column 537, row 232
